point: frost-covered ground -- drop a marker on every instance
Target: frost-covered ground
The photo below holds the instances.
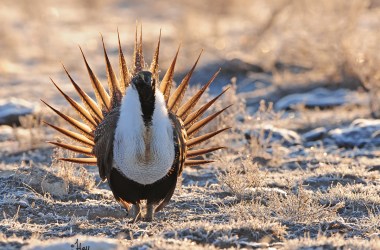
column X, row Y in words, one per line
column 301, row 172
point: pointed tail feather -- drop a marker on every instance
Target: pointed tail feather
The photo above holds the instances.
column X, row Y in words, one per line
column 82, row 112
column 198, row 152
column 176, row 98
column 89, row 103
column 86, row 161
column 194, row 116
column 189, row 163
column 198, row 125
column 197, row 140
column 138, row 57
column 81, row 127
column 141, row 48
column 185, row 109
column 102, row 97
column 167, row 81
column 125, row 76
column 75, row 136
column 113, row 84
column 154, row 64
column 74, row 148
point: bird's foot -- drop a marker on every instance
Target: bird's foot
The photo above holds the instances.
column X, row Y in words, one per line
column 149, row 216
column 134, row 213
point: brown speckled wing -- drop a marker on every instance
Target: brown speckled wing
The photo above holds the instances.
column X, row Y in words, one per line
column 104, row 137
column 180, row 138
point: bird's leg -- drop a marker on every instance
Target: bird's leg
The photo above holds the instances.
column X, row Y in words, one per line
column 135, row 212
column 149, row 211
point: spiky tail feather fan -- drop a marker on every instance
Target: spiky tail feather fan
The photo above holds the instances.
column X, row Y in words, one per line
column 92, row 112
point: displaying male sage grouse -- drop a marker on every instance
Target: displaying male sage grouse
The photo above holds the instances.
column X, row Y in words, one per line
column 138, row 134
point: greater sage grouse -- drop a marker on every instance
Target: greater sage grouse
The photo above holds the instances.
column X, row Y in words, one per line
column 139, row 134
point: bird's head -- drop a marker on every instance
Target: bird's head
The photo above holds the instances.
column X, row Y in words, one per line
column 145, row 84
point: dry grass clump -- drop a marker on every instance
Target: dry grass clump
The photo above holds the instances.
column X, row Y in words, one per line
column 257, row 147
column 275, row 206
column 75, row 175
column 355, row 197
column 302, row 207
column 371, row 223
column 325, row 159
column 248, row 210
column 34, row 178
column 11, row 242
column 237, row 112
column 240, row 177
column 328, row 175
column 260, row 141
column 266, row 113
column 234, row 233
column 334, row 242
column 261, row 145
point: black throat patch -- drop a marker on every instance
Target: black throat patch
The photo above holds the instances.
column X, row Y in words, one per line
column 145, row 86
column 147, row 107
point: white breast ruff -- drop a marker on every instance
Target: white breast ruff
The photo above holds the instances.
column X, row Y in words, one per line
column 130, row 155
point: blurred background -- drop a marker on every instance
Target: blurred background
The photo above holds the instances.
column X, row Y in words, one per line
column 290, row 45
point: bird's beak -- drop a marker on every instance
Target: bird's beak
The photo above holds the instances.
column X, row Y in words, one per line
column 148, row 80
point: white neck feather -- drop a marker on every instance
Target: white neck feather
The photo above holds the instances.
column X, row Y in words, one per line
column 143, row 154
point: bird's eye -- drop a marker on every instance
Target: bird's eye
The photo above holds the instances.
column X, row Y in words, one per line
column 145, row 77
column 142, row 76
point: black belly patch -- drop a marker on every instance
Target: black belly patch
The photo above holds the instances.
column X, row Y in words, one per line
column 133, row 192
